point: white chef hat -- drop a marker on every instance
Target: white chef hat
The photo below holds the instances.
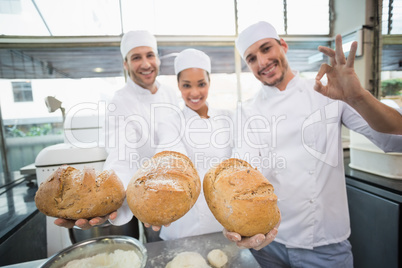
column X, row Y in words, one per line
column 140, row 38
column 254, row 33
column 192, row 58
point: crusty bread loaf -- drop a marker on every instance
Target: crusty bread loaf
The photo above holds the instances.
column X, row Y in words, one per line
column 71, row 194
column 163, row 189
column 241, row 198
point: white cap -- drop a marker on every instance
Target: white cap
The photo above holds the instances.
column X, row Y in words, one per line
column 254, row 33
column 192, row 58
column 135, row 39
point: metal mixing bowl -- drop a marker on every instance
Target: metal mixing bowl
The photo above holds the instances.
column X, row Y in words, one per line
column 94, row 246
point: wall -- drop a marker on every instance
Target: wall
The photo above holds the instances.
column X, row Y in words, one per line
column 352, row 15
column 349, row 16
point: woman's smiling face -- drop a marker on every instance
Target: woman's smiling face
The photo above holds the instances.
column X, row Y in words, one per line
column 194, row 85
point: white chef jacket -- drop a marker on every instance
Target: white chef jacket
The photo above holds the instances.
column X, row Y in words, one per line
column 130, row 131
column 294, row 138
column 206, row 142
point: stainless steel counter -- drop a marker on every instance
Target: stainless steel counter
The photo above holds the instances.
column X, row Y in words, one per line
column 161, row 252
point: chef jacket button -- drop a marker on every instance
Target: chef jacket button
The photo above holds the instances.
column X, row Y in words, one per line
column 311, row 172
column 311, row 201
column 276, row 172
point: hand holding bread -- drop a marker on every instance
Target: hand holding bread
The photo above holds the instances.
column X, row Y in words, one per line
column 256, row 242
column 73, row 194
column 85, row 224
column 164, row 189
column 241, row 198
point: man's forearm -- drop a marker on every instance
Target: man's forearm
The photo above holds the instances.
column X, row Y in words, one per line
column 379, row 116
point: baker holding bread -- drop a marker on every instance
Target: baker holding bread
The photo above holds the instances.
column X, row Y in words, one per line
column 128, row 127
column 296, row 143
column 200, row 132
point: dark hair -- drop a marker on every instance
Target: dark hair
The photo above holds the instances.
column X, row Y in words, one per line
column 178, row 76
column 279, row 42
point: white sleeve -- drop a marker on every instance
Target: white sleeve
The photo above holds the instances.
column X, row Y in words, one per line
column 244, row 138
column 170, row 134
column 387, row 142
column 124, row 215
column 119, row 153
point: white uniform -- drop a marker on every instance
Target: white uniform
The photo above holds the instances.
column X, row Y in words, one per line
column 130, row 131
column 206, row 142
column 296, row 142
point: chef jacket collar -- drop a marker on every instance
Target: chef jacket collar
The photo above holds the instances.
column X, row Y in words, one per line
column 268, row 91
column 188, row 112
column 139, row 89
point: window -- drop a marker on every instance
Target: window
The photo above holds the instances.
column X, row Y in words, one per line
column 22, row 91
column 180, row 17
column 286, row 18
column 392, row 17
column 173, row 17
column 391, row 75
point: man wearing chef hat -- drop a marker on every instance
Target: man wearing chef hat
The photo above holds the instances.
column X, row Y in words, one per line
column 304, row 119
column 128, row 129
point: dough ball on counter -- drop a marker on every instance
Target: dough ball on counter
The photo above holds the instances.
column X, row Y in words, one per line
column 188, row 259
column 217, row 258
column 241, row 198
column 164, row 189
column 73, row 194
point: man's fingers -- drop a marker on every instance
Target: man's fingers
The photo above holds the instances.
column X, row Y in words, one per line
column 352, row 54
column 234, row 237
column 156, row 228
column 113, row 215
column 64, row 223
column 98, row 220
column 83, row 224
column 339, row 56
column 319, row 87
column 268, row 239
column 251, row 242
column 327, row 51
column 324, row 69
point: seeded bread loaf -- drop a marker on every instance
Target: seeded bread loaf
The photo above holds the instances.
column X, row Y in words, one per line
column 164, row 189
column 241, row 198
column 73, row 194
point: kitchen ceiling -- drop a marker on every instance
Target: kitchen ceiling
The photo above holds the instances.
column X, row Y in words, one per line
column 58, row 58
column 45, row 53
column 103, row 59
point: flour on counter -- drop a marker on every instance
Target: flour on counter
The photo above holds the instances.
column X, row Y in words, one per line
column 118, row 259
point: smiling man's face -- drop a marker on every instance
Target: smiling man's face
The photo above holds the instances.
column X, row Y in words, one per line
column 142, row 65
column 266, row 58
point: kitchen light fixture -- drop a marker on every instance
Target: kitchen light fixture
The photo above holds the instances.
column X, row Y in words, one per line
column 53, row 105
column 98, row 70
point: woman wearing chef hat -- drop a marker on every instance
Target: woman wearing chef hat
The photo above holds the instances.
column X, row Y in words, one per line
column 200, row 132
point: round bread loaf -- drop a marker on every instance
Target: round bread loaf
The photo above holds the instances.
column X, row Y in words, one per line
column 163, row 189
column 241, row 198
column 71, row 194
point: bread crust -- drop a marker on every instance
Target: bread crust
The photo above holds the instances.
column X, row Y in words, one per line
column 241, row 198
column 164, row 189
column 73, row 194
